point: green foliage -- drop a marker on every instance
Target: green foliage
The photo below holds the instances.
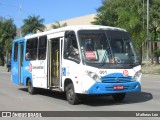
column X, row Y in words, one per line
column 154, row 28
column 7, row 34
column 154, row 25
column 32, row 24
column 58, row 25
column 130, row 15
column 158, row 51
column 126, row 14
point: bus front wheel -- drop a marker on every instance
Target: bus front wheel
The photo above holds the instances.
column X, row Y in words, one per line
column 71, row 96
column 31, row 89
column 119, row 96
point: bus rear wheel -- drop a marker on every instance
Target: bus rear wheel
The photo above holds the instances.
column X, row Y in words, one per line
column 72, row 97
column 31, row 89
column 118, row 97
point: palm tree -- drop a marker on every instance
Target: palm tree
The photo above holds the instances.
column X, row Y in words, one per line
column 58, row 25
column 7, row 34
column 32, row 24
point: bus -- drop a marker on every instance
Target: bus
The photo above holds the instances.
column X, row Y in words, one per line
column 78, row 60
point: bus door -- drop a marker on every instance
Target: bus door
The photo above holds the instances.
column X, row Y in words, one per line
column 20, row 63
column 55, row 62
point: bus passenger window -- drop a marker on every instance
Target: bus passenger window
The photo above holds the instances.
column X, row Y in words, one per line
column 27, row 56
column 42, row 48
column 15, row 51
column 31, row 49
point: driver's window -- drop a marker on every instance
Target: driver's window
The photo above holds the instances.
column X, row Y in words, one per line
column 128, row 48
column 72, row 46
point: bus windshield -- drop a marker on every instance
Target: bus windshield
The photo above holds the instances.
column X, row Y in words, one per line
column 105, row 48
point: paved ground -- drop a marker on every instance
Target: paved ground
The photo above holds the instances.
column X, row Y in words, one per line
column 16, row 98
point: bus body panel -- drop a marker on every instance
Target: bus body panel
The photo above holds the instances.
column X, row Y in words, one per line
column 86, row 85
column 72, row 71
column 17, row 61
column 39, row 73
column 116, row 77
column 36, row 70
column 86, row 77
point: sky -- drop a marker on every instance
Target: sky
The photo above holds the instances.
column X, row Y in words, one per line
column 50, row 10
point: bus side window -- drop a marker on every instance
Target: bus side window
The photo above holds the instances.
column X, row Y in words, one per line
column 31, row 49
column 15, row 51
column 42, row 48
column 72, row 47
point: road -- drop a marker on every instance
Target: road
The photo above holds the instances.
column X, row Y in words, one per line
column 16, row 98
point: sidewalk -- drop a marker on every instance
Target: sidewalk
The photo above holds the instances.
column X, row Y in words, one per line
column 3, row 68
column 147, row 75
column 151, row 69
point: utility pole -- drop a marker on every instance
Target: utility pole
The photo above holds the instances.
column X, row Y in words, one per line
column 143, row 14
column 147, row 43
column 20, row 15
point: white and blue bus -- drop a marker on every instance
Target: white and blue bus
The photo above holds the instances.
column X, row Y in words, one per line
column 78, row 60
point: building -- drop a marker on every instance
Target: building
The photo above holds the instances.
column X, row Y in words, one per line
column 82, row 20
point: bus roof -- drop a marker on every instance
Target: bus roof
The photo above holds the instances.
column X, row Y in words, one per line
column 19, row 39
column 74, row 28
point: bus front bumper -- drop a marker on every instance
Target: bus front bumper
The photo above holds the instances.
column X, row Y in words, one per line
column 109, row 88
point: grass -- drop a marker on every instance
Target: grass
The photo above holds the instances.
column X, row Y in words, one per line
column 151, row 69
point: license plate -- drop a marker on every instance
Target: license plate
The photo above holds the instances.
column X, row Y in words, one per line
column 118, row 87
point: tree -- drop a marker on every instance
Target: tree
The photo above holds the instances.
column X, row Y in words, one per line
column 58, row 25
column 129, row 14
column 7, row 34
column 154, row 28
column 32, row 24
column 126, row 14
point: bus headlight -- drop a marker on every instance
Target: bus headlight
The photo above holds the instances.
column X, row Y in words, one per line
column 94, row 76
column 137, row 75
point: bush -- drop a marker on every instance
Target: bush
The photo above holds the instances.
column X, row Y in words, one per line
column 158, row 51
column 0, row 62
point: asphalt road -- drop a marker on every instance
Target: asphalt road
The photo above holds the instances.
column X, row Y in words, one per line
column 16, row 98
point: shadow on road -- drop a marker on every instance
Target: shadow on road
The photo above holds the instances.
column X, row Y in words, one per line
column 98, row 100
column 108, row 100
column 47, row 93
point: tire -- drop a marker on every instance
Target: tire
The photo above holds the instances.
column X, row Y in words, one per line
column 72, row 97
column 119, row 97
column 31, row 89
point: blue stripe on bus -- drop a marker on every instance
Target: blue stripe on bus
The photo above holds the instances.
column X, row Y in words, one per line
column 115, row 77
column 108, row 88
